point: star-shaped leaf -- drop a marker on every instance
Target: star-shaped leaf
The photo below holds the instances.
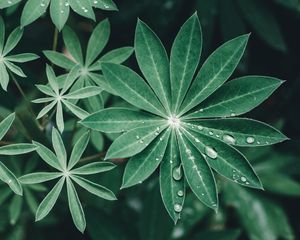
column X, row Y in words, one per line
column 7, row 62
column 68, row 175
column 90, row 66
column 59, row 9
column 58, row 97
column 175, row 130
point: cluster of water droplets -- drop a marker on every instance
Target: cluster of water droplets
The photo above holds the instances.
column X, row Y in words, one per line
column 177, row 175
column 239, row 178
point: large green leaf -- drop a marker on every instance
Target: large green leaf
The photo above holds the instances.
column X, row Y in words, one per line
column 33, row 9
column 113, row 120
column 59, row 59
column 197, row 172
column 75, row 207
column 59, row 12
column 237, row 97
column 226, row 160
column 49, row 201
column 153, row 62
column 39, row 177
column 133, row 141
column 142, row 165
column 12, row 40
column 17, row 149
column 238, row 131
column 185, row 56
column 132, row 88
column 215, row 71
column 172, row 188
column 73, row 44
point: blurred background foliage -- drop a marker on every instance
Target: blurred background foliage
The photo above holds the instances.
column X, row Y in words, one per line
column 273, row 50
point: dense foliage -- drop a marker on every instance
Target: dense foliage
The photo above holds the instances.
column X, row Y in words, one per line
column 172, row 107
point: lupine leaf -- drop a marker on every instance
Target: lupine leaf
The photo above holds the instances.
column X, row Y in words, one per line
column 84, row 93
column 153, row 62
column 185, row 56
column 172, row 190
column 83, row 8
column 113, row 120
column 131, row 87
column 59, row 12
column 77, row 111
column 72, row 44
column 108, row 5
column 39, row 177
column 142, row 165
column 94, row 168
column 59, row 59
column 238, row 131
column 33, row 9
column 17, row 149
column 6, row 124
column 12, row 40
column 59, row 148
column 49, row 201
column 8, row 177
column 97, row 41
column 75, row 207
column 237, row 97
column 197, row 172
column 21, row 58
column 215, row 71
column 3, row 76
column 133, row 141
column 15, row 209
column 94, row 188
column 5, row 4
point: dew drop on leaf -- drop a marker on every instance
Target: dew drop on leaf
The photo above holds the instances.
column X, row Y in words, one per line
column 180, row 193
column 229, row 139
column 250, row 140
column 177, row 207
column 210, row 152
column 200, row 127
column 177, row 173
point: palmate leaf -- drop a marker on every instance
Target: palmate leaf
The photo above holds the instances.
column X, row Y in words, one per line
column 169, row 130
column 59, row 9
column 67, row 173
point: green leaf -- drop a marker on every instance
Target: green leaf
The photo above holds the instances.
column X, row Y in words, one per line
column 94, row 188
column 132, row 88
column 39, row 177
column 114, row 120
column 46, row 109
column 225, row 159
column 84, row 8
column 12, row 40
column 17, row 149
column 142, row 165
column 33, row 9
column 5, row 4
column 48, row 156
column 118, row 55
column 185, row 56
column 94, row 168
column 15, row 209
column 60, row 117
column 83, row 93
column 237, row 97
column 78, row 149
column 49, row 201
column 59, row 148
column 77, row 111
column 97, row 41
column 238, row 131
column 9, row 178
column 59, row 59
column 6, row 124
column 52, row 79
column 262, row 20
column 15, row 69
column 153, row 61
column 107, row 5
column 75, row 207
column 133, row 141
column 2, row 32
column 71, row 78
column 46, row 90
column 215, row 71
column 23, row 57
column 59, row 12
column 197, row 172
column 72, row 43
column 172, row 191
column 4, row 77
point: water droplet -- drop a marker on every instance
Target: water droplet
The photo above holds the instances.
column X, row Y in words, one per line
column 200, row 127
column 180, row 193
column 197, row 140
column 157, row 159
column 210, row 133
column 210, row 152
column 177, row 173
column 243, row 179
column 137, row 137
column 229, row 139
column 250, row 140
column 232, row 114
column 9, row 181
column 177, row 207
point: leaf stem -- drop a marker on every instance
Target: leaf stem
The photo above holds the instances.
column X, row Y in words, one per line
column 92, row 157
